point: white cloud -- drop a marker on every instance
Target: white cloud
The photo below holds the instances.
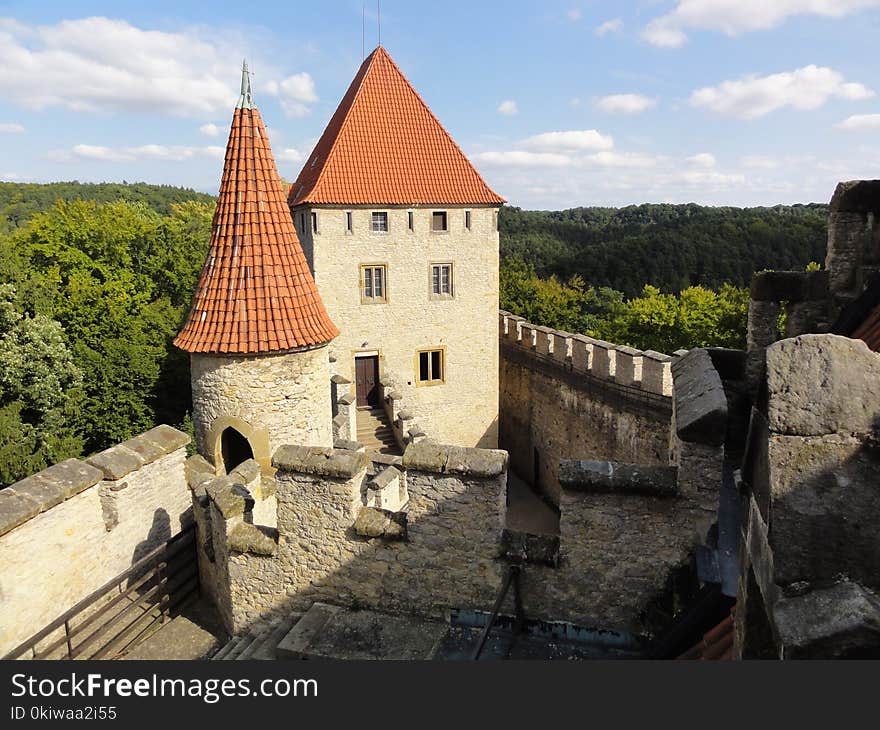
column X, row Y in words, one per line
column 522, row 158
column 9, row 176
column 625, row 103
column 754, row 96
column 733, row 17
column 759, row 162
column 610, row 26
column 101, row 153
column 858, row 122
column 574, row 14
column 290, row 154
column 210, row 130
column 508, row 108
column 10, row 128
column 100, row 64
column 570, row 141
column 704, row 159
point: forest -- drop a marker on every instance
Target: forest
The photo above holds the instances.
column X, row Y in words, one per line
column 96, row 280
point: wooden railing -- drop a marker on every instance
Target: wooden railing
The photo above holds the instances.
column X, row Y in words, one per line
column 124, row 610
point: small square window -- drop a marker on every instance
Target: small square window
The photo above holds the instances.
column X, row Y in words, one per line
column 314, row 222
column 348, row 221
column 373, row 284
column 380, row 222
column 431, row 365
column 410, row 222
column 438, row 220
column 467, row 219
column 441, row 280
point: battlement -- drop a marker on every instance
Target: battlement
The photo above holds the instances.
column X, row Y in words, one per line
column 641, row 370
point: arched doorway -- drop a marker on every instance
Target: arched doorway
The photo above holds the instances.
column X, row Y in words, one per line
column 234, row 448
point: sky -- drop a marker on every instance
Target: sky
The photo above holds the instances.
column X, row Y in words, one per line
column 558, row 104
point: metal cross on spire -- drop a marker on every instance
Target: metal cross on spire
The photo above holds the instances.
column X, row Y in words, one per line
column 246, row 100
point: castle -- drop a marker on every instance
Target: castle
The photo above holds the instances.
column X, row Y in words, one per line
column 353, row 379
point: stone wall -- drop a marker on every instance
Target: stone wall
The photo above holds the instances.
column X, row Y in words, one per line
column 69, row 529
column 444, row 551
column 566, row 396
column 462, row 410
column 269, row 399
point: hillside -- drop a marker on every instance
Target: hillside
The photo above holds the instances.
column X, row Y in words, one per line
column 20, row 201
column 669, row 246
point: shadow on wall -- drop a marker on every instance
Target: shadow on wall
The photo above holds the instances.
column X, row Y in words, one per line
column 160, row 531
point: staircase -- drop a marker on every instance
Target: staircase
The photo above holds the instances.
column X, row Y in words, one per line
column 374, row 431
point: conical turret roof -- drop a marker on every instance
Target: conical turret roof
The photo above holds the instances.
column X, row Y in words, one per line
column 383, row 145
column 255, row 293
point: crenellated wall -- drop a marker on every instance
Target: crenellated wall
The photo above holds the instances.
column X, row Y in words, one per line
column 69, row 529
column 566, row 396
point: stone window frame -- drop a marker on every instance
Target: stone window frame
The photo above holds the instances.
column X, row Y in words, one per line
column 440, row 295
column 445, row 214
column 373, row 299
column 373, row 220
column 417, row 366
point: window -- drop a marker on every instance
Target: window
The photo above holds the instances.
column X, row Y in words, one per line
column 348, row 223
column 467, row 219
column 438, row 221
column 302, row 222
column 430, row 367
column 373, row 284
column 380, row 222
column 409, row 220
column 441, row 280
column 314, row 222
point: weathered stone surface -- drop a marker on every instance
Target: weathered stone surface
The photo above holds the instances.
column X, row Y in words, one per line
column 43, row 491
column 16, row 509
column 246, row 472
column 116, row 462
column 823, row 384
column 856, row 196
column 842, row 621
column 789, row 286
column 168, row 439
column 231, row 499
column 426, row 455
column 825, row 508
column 71, row 476
column 322, row 461
column 609, row 477
column 700, row 402
column 348, row 445
column 371, row 522
column 430, row 456
column 198, row 471
column 339, row 380
column 257, row 540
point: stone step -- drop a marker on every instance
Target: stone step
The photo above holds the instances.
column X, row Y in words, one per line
column 248, row 651
column 296, row 641
column 268, row 646
column 227, row 648
column 245, row 642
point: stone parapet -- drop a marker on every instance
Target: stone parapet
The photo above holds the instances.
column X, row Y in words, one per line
column 429, row 456
column 320, row 461
column 650, row 371
column 609, row 477
column 700, row 402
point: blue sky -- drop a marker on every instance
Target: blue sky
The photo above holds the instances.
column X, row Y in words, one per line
column 732, row 102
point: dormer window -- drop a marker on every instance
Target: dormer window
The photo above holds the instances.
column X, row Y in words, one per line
column 380, row 222
column 438, row 221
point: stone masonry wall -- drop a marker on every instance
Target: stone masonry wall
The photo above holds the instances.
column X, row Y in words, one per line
column 462, row 410
column 552, row 401
column 69, row 529
column 271, row 399
column 450, row 557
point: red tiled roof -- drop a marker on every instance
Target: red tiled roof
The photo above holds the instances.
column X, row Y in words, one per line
column 255, row 293
column 716, row 644
column 869, row 330
column 384, row 146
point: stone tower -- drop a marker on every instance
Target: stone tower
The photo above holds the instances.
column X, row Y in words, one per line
column 257, row 332
column 401, row 233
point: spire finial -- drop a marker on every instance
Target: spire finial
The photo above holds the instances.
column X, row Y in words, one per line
column 246, row 100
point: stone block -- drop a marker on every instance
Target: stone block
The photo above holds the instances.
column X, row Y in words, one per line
column 168, row 439
column 582, row 352
column 544, row 341
column 856, row 196
column 823, row 384
column 842, row 621
column 513, row 328
column 656, row 372
column 700, row 401
column 385, row 491
column 16, row 509
column 561, row 346
column 231, row 499
column 254, row 539
column 321, row 461
column 116, row 462
column 476, row 462
column 604, row 362
column 609, row 477
column 378, row 523
column 43, row 491
column 789, row 286
column 71, row 476
column 347, row 445
column 427, row 456
column 629, row 366
column 528, row 334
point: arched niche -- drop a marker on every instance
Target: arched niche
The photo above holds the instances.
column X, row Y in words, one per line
column 256, row 437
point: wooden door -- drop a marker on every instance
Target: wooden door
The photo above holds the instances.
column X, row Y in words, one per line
column 366, row 371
